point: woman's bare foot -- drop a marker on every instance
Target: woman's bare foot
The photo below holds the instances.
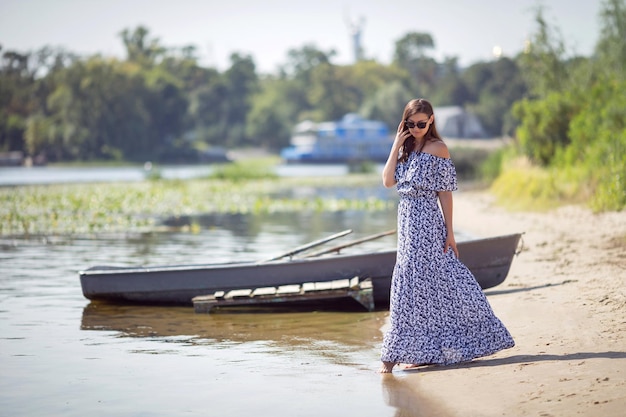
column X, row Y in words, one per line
column 386, row 367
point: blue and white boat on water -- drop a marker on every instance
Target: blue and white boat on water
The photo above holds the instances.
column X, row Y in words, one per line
column 351, row 139
column 355, row 139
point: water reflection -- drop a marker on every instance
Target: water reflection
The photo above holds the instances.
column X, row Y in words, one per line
column 404, row 394
column 245, row 237
column 335, row 335
column 250, row 226
column 358, row 329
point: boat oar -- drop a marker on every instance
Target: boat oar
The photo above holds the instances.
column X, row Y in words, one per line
column 308, row 246
column 351, row 243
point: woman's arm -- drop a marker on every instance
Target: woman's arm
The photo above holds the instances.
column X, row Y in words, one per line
column 445, row 198
column 389, row 171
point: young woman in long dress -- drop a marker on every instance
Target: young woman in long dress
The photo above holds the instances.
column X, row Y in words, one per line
column 438, row 312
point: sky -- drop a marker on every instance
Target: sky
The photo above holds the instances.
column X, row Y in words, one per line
column 267, row 30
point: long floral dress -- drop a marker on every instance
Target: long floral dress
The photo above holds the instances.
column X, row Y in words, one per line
column 438, row 312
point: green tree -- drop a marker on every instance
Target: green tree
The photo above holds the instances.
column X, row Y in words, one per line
column 140, row 48
column 412, row 47
column 544, row 127
column 410, row 53
column 16, row 86
column 598, row 131
column 298, row 73
column 544, row 59
column 334, row 91
column 166, row 104
column 545, row 117
column 272, row 116
column 100, row 107
column 493, row 87
column 208, row 109
column 241, row 82
column 387, row 104
column 451, row 89
column 611, row 47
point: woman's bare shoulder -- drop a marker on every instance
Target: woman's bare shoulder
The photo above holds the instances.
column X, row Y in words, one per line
column 438, row 148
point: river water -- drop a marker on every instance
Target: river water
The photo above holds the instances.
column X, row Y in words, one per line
column 14, row 176
column 62, row 355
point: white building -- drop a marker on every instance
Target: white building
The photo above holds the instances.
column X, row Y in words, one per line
column 455, row 122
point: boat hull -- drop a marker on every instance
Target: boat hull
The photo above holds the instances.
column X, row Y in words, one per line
column 488, row 259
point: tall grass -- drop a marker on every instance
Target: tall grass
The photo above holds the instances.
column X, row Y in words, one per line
column 523, row 186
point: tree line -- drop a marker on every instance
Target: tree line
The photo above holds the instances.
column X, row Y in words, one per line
column 161, row 104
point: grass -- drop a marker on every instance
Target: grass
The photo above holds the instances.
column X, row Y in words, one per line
column 522, row 186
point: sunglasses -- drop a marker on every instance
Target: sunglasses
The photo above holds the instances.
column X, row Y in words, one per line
column 411, row 125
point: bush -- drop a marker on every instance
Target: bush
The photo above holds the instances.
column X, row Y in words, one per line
column 544, row 125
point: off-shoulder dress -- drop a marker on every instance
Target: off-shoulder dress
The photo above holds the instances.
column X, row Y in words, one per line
column 438, row 312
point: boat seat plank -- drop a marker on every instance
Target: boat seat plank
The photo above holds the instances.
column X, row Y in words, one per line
column 340, row 283
column 362, row 292
column 264, row 291
column 289, row 289
column 238, row 293
column 354, row 282
column 323, row 286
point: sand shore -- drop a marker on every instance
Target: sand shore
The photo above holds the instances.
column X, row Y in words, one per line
column 564, row 302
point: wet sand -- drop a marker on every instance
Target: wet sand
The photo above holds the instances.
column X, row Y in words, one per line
column 564, row 302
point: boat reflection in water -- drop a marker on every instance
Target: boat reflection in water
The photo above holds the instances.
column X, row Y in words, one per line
column 334, row 333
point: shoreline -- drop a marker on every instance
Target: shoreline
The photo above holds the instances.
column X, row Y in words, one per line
column 564, row 302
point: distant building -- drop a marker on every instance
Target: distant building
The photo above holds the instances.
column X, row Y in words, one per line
column 353, row 138
column 14, row 158
column 455, row 122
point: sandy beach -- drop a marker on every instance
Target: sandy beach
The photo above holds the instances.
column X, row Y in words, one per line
column 564, row 302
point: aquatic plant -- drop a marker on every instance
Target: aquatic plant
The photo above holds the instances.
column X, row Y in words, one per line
column 77, row 209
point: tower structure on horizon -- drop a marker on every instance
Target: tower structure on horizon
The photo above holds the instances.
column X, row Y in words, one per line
column 356, row 30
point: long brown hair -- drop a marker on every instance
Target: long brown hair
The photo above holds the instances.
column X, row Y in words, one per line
column 418, row 105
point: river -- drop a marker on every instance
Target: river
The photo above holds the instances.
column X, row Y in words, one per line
column 14, row 176
column 62, row 355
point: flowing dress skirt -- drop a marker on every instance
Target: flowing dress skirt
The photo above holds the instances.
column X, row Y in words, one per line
column 438, row 312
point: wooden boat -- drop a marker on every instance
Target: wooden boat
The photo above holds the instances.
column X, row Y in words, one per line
column 489, row 260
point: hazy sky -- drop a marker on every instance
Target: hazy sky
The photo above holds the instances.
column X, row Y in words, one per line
column 467, row 29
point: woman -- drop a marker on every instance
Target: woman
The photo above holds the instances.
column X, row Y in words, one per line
column 438, row 312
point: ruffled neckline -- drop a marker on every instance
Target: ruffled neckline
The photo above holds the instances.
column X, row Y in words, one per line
column 429, row 154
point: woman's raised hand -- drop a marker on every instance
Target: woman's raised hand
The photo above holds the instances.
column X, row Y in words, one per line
column 401, row 134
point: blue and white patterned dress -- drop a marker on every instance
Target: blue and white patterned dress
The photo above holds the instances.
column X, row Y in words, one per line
column 438, row 312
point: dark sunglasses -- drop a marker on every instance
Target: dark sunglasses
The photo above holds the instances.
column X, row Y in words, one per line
column 411, row 125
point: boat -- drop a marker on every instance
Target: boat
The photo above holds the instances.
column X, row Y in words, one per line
column 489, row 259
column 352, row 139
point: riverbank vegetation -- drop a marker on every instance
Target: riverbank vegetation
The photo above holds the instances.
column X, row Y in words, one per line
column 151, row 206
column 564, row 112
column 571, row 136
